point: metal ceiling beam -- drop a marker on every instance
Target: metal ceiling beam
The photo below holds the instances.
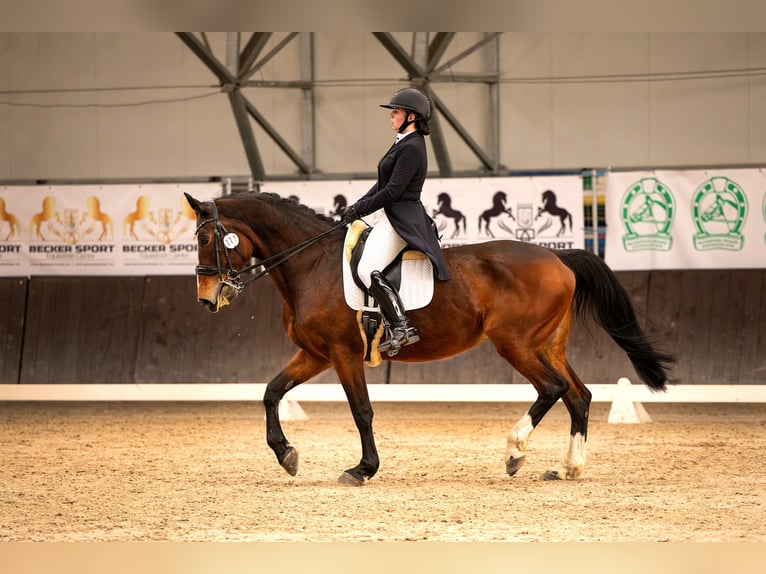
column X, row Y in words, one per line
column 236, row 99
column 400, row 54
column 246, row 74
column 441, row 151
column 423, row 68
column 437, row 48
column 464, row 135
column 465, row 53
column 207, row 57
column 493, row 64
column 206, row 41
column 279, row 140
column 469, row 78
column 232, row 52
column 308, row 108
column 240, row 105
column 419, row 50
column 420, row 54
column 253, row 49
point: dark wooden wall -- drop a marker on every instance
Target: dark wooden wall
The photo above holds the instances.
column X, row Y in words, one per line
column 152, row 330
column 14, row 294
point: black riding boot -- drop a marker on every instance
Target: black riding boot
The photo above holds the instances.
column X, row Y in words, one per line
column 385, row 294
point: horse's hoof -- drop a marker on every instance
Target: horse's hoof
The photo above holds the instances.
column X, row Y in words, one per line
column 513, row 465
column 290, row 462
column 347, row 479
column 552, row 475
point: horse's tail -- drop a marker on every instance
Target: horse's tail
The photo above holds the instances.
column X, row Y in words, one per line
column 464, row 219
column 599, row 294
column 569, row 216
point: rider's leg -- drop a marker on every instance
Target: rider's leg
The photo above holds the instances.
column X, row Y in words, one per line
column 402, row 333
column 382, row 247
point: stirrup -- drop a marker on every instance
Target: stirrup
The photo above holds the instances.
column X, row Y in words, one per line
column 399, row 337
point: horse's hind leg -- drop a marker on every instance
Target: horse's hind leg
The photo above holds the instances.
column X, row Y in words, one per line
column 577, row 400
column 300, row 369
column 550, row 386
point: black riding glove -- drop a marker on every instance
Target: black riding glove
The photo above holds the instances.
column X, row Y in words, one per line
column 350, row 215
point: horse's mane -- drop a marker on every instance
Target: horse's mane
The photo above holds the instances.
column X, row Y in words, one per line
column 286, row 202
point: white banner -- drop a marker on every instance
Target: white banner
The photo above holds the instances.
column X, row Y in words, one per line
column 713, row 219
column 543, row 210
column 149, row 229
column 99, row 230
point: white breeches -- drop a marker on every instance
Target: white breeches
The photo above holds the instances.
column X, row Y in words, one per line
column 383, row 245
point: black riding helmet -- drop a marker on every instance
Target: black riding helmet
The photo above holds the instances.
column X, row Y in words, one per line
column 415, row 101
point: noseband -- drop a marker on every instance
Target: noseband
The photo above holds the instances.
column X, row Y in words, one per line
column 226, row 241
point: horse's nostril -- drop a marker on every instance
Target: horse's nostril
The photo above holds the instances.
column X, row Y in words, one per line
column 209, row 304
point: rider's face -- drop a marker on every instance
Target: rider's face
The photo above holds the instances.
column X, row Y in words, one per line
column 397, row 118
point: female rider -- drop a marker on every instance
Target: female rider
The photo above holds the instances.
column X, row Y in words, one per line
column 397, row 216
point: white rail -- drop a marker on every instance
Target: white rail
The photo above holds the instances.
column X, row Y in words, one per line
column 378, row 392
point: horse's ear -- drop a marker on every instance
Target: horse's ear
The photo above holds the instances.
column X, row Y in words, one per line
column 193, row 203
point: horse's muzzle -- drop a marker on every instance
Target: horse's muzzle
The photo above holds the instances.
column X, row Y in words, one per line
column 224, row 295
column 211, row 306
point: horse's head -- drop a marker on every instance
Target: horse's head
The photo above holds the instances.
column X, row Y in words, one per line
column 222, row 250
column 500, row 198
column 49, row 207
column 715, row 211
column 549, row 196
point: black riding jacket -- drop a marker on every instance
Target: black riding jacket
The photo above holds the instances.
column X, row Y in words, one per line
column 401, row 173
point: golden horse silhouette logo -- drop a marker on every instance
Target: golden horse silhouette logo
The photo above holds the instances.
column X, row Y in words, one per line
column 184, row 217
column 94, row 213
column 73, row 226
column 163, row 225
column 11, row 219
column 141, row 214
column 48, row 218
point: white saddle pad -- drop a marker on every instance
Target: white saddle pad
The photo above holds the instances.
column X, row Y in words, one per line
column 417, row 285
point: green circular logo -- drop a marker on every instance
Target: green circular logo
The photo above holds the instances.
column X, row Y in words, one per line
column 647, row 215
column 719, row 211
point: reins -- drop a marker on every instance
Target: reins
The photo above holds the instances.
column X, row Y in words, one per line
column 224, row 241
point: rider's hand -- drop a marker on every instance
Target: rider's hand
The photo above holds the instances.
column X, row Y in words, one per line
column 350, row 215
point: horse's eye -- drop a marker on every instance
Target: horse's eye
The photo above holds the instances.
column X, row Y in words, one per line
column 204, row 239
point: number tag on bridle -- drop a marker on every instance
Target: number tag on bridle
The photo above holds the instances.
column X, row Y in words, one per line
column 231, row 240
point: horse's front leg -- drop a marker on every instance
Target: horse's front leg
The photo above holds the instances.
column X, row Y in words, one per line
column 300, row 369
column 351, row 374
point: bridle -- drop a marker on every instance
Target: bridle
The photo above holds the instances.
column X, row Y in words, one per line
column 225, row 241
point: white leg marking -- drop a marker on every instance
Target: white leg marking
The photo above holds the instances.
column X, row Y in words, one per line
column 573, row 466
column 518, row 437
column 576, row 456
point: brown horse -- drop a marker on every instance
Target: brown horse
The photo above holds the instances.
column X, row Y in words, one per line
column 521, row 297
